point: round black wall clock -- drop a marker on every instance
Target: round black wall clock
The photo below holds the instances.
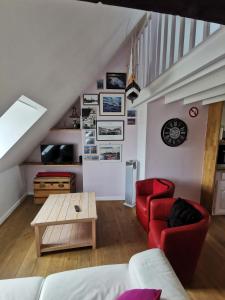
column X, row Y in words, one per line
column 174, row 132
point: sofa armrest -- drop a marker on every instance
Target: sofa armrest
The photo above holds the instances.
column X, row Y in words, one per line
column 160, row 208
column 151, row 269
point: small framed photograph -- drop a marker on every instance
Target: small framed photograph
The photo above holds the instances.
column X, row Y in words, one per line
column 131, row 121
column 112, row 104
column 91, row 157
column 94, row 157
column 100, row 84
column 86, row 149
column 90, row 149
column 111, row 153
column 131, row 113
column 89, row 133
column 89, row 117
column 116, row 81
column 90, row 141
column 90, row 99
column 110, row 130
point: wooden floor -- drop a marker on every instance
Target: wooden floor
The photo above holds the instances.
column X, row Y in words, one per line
column 119, row 236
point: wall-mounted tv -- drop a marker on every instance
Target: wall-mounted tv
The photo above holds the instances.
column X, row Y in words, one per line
column 57, row 154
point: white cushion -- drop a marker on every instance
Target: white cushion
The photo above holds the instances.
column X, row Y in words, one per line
column 21, row 288
column 151, row 269
column 96, row 283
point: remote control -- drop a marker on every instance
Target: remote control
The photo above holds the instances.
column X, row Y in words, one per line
column 77, row 208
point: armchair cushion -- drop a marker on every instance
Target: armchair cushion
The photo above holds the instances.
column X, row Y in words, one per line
column 183, row 213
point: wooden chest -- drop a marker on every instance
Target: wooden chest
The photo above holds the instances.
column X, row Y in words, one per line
column 44, row 186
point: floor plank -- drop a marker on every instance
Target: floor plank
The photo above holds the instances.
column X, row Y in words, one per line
column 119, row 236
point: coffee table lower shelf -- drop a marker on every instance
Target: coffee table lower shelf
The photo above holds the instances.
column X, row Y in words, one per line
column 65, row 236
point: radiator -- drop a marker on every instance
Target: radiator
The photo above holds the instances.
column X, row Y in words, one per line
column 131, row 177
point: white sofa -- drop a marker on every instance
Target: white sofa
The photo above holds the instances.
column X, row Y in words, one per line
column 148, row 269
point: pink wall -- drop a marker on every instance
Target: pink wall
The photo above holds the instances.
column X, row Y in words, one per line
column 107, row 179
column 182, row 164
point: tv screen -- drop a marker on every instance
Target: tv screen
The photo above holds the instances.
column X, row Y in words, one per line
column 57, row 154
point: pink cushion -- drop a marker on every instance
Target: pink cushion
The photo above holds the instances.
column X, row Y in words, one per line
column 54, row 174
column 140, row 294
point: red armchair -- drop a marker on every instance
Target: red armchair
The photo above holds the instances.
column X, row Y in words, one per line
column 182, row 245
column 146, row 191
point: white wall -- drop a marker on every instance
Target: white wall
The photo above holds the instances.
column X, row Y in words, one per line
column 107, row 179
column 12, row 190
column 182, row 164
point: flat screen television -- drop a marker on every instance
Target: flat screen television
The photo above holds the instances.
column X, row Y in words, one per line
column 57, row 154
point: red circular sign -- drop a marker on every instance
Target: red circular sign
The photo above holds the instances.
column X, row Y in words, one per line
column 193, row 112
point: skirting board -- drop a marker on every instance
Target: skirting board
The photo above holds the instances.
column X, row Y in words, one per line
column 9, row 212
column 110, row 198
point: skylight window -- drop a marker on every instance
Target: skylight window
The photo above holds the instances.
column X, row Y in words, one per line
column 17, row 120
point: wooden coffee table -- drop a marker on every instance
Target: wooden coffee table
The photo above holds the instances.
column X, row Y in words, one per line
column 58, row 226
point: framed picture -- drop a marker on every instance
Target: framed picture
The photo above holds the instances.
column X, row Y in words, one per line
column 131, row 121
column 88, row 118
column 131, row 113
column 89, row 133
column 90, row 99
column 90, row 149
column 116, row 81
column 91, row 157
column 90, row 141
column 110, row 130
column 110, row 153
column 100, row 84
column 112, row 104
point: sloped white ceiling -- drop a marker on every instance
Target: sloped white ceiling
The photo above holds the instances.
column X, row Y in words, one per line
column 50, row 50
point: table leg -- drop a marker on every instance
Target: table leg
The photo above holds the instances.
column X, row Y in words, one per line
column 38, row 240
column 93, row 234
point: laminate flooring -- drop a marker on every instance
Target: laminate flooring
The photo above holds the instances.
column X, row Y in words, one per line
column 119, row 236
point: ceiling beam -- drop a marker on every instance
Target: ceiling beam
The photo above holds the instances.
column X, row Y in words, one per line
column 207, row 94
column 214, row 100
column 206, row 10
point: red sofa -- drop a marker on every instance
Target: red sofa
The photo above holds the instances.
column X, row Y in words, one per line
column 146, row 191
column 182, row 245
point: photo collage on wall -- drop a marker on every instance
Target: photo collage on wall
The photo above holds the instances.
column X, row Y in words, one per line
column 105, row 104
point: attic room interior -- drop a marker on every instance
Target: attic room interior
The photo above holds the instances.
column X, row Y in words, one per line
column 112, row 142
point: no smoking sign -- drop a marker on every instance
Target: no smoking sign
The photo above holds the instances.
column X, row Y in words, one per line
column 193, row 112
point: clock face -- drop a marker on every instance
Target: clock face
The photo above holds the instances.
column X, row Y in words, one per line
column 174, row 132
